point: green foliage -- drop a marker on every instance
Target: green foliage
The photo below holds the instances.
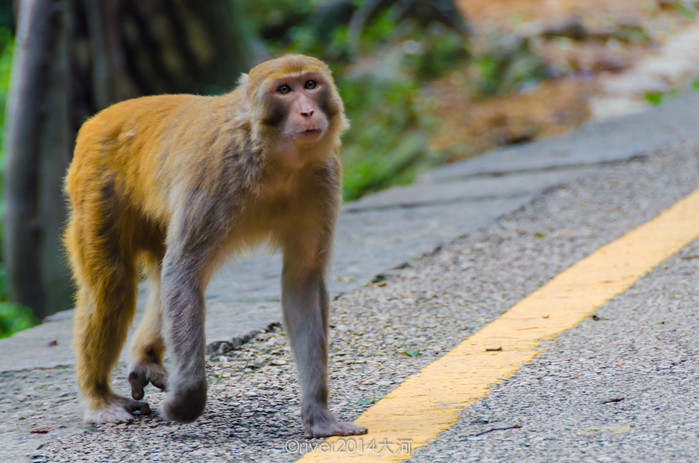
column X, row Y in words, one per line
column 439, row 51
column 270, row 13
column 504, row 64
column 380, row 30
column 632, row 34
column 370, row 401
column 6, row 47
column 387, row 142
column 654, row 98
column 380, row 111
column 13, row 317
column 686, row 9
column 278, row 21
column 657, row 98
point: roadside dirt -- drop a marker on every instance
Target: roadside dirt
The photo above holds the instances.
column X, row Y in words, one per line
column 602, row 59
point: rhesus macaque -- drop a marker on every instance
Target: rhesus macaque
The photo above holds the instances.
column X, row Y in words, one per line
column 170, row 185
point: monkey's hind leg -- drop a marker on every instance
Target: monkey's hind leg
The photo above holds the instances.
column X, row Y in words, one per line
column 105, row 306
column 148, row 347
column 99, row 336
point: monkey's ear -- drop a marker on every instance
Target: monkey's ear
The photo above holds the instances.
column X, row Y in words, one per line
column 243, row 89
column 345, row 124
column 243, row 82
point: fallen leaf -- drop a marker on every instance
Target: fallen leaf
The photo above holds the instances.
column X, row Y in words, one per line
column 41, row 430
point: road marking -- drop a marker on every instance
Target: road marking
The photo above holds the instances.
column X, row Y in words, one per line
column 430, row 401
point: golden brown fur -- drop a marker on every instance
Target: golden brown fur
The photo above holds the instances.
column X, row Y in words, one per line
column 175, row 183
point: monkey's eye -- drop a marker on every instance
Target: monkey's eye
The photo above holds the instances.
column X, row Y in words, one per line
column 310, row 84
column 284, row 89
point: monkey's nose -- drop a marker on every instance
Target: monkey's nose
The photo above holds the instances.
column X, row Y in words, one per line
column 307, row 113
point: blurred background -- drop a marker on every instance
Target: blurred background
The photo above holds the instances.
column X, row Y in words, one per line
column 424, row 83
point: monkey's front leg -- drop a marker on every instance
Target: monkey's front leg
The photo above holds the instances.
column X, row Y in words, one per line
column 183, row 316
column 305, row 304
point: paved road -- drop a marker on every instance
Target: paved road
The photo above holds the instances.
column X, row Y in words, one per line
column 524, row 215
column 623, row 386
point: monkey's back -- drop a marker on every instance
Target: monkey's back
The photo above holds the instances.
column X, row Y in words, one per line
column 138, row 147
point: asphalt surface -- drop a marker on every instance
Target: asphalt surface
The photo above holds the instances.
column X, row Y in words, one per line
column 621, row 387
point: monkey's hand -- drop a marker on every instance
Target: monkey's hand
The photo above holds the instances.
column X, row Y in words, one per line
column 185, row 399
column 324, row 424
column 143, row 373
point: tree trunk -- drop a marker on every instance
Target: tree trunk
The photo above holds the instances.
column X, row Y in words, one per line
column 73, row 58
column 26, row 111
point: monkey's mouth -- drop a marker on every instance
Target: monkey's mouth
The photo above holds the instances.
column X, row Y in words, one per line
column 309, row 135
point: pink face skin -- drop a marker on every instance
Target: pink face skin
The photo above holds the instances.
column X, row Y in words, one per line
column 301, row 95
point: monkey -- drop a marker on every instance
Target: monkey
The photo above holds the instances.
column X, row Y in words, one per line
column 165, row 187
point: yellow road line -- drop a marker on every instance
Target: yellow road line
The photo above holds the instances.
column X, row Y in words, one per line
column 430, row 401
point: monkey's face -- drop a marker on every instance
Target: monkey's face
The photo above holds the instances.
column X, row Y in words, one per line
column 294, row 106
column 300, row 106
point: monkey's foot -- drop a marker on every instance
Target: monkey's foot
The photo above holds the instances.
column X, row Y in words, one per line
column 116, row 409
column 336, row 428
column 143, row 373
column 324, row 424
